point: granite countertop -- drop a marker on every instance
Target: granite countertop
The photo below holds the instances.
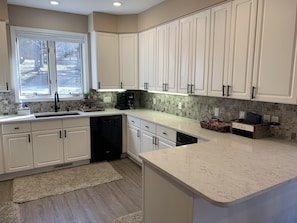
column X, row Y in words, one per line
column 224, row 169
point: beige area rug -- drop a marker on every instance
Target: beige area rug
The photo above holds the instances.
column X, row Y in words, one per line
column 58, row 182
column 9, row 212
column 135, row 217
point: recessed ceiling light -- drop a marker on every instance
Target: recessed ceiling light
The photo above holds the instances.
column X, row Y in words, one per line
column 117, row 4
column 54, row 2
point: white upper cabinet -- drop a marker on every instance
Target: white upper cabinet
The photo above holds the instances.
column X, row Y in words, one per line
column 167, row 57
column 275, row 64
column 4, row 63
column 105, row 60
column 242, row 39
column 147, row 57
column 219, row 48
column 128, row 44
column 194, row 53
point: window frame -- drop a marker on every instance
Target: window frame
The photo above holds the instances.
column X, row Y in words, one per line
column 49, row 35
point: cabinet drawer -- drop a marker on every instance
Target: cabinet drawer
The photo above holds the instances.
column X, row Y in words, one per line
column 76, row 122
column 166, row 133
column 148, row 126
column 16, row 127
column 133, row 121
column 46, row 125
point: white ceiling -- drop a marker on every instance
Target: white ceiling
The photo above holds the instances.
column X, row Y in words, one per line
column 86, row 7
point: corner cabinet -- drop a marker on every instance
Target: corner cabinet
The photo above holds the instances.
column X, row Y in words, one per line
column 147, row 59
column 275, row 73
column 128, row 49
column 105, row 60
column 4, row 63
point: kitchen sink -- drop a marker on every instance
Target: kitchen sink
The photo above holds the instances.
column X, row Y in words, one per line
column 55, row 114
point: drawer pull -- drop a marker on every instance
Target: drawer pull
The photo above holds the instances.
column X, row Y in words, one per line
column 147, row 127
column 164, row 133
column 29, row 138
column 17, row 128
column 132, row 121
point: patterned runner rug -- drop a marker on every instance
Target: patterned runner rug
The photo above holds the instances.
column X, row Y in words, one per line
column 135, row 217
column 9, row 212
column 38, row 186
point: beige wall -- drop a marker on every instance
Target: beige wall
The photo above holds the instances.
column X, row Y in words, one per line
column 170, row 10
column 112, row 23
column 45, row 19
column 3, row 10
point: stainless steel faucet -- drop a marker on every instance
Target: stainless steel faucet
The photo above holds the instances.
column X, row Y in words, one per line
column 57, row 100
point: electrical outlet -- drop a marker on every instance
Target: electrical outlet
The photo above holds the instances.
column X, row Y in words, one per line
column 154, row 101
column 274, row 119
column 107, row 99
column 241, row 115
column 179, row 105
column 216, row 112
column 266, row 118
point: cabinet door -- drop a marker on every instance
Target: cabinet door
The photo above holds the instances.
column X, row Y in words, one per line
column 4, row 64
column 48, row 148
column 147, row 51
column 1, row 157
column 274, row 72
column 105, row 61
column 147, row 141
column 243, row 25
column 171, row 71
column 164, row 143
column 77, row 144
column 219, row 48
column 18, row 152
column 201, row 52
column 129, row 61
column 133, row 142
column 161, row 57
column 185, row 54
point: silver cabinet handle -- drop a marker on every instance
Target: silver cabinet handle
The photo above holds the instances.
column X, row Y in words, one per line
column 138, row 133
column 65, row 134
column 164, row 133
column 29, row 138
column 17, row 128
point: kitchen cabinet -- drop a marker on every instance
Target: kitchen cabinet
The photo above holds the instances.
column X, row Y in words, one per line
column 4, row 62
column 1, row 158
column 219, row 49
column 167, row 57
column 275, row 78
column 133, row 137
column 242, row 39
column 47, row 143
column 147, row 57
column 128, row 49
column 76, row 139
column 194, row 53
column 105, row 60
column 17, row 147
column 148, row 138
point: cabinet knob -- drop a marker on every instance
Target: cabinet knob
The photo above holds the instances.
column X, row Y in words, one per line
column 17, row 128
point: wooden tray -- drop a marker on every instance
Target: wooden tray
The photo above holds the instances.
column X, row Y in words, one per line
column 215, row 126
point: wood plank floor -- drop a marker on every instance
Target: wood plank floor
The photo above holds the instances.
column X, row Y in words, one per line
column 99, row 204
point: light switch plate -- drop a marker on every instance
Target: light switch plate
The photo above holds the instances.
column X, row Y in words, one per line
column 216, row 112
column 241, row 115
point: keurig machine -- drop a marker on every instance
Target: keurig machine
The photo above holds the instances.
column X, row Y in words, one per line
column 125, row 100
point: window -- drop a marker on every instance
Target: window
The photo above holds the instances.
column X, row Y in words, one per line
column 46, row 62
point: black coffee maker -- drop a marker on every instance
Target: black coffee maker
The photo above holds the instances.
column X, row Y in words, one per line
column 125, row 100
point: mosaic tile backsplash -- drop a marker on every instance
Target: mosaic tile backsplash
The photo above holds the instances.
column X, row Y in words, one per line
column 202, row 108
column 193, row 107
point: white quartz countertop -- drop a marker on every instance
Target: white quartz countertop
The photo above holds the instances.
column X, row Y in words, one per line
column 225, row 169
column 25, row 118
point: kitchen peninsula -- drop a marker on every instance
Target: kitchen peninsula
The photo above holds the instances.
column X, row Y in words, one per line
column 224, row 178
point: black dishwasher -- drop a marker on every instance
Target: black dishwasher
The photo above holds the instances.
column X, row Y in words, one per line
column 106, row 137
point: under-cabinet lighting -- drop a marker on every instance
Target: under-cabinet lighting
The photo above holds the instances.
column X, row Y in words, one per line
column 117, row 4
column 166, row 92
column 54, row 2
column 111, row 90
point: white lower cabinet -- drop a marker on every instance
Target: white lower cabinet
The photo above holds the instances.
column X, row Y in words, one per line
column 144, row 136
column 76, row 144
column 17, row 147
column 47, row 148
column 18, row 152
